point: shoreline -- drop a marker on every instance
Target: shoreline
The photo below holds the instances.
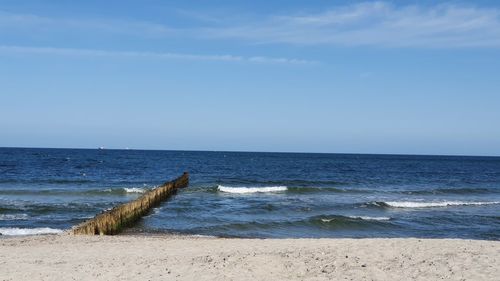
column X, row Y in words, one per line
column 184, row 257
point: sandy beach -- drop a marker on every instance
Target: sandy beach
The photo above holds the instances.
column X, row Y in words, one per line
column 66, row 257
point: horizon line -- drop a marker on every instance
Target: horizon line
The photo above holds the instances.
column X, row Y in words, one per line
column 249, row 151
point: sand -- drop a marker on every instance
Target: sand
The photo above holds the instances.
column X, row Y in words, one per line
column 65, row 257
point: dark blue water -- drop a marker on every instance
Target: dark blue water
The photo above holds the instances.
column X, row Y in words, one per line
column 256, row 194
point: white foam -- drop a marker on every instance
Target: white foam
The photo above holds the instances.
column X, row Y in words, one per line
column 263, row 189
column 13, row 217
column 361, row 218
column 370, row 218
column 405, row 204
column 134, row 190
column 28, row 231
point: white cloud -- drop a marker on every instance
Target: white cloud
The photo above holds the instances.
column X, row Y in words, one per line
column 375, row 24
column 379, row 24
column 146, row 55
column 35, row 23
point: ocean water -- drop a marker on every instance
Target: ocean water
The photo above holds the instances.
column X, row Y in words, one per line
column 235, row 194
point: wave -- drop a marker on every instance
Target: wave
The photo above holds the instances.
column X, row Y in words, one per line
column 279, row 182
column 412, row 204
column 134, row 190
column 327, row 190
column 278, row 188
column 351, row 218
column 329, row 222
column 38, row 208
column 13, row 217
column 241, row 190
column 4, row 209
column 48, row 181
column 28, row 231
column 121, row 190
column 347, row 190
column 452, row 191
column 117, row 191
column 75, row 192
column 370, row 218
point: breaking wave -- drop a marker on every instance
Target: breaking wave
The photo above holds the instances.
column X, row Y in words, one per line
column 361, row 218
column 412, row 204
column 241, row 190
column 28, row 231
column 370, row 218
column 134, row 190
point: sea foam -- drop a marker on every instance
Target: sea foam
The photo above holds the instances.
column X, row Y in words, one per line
column 365, row 218
column 28, row 231
column 409, row 204
column 370, row 218
column 134, row 190
column 264, row 189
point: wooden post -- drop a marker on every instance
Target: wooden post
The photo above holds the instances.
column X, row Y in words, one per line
column 113, row 221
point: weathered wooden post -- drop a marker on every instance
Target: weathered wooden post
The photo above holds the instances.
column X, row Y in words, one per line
column 114, row 220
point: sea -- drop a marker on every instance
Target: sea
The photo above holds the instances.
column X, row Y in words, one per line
column 255, row 195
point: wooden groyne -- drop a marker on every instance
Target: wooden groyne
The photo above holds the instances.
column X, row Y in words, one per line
column 113, row 221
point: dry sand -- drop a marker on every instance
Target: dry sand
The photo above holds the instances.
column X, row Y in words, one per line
column 65, row 257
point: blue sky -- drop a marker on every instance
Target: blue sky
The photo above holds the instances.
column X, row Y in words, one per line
column 410, row 77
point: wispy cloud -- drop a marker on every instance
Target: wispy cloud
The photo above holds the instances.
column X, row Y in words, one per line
column 375, row 24
column 379, row 24
column 36, row 23
column 147, row 55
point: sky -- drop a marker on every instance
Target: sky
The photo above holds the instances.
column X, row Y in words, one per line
column 392, row 77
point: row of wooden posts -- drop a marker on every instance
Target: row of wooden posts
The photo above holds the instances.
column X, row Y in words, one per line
column 113, row 221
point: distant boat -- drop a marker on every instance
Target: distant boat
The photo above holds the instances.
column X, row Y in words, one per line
column 101, row 147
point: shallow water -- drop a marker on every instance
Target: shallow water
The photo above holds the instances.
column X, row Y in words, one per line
column 256, row 194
